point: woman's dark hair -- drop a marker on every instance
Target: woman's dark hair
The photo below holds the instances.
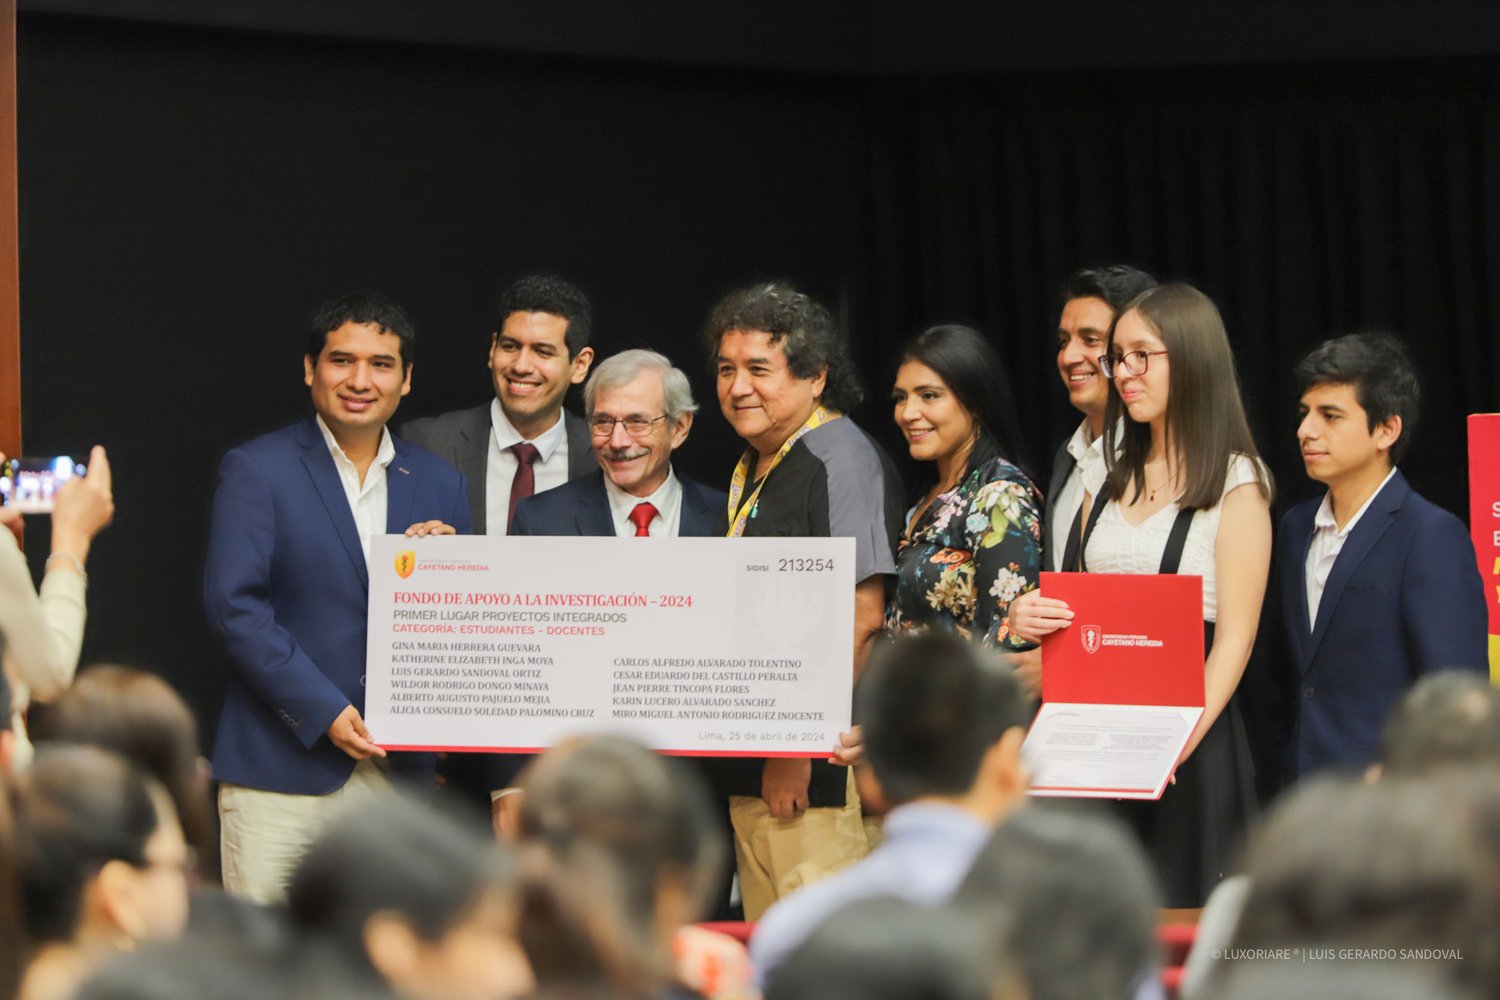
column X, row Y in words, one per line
column 76, row 809
column 555, row 296
column 891, row 949
column 604, row 820
column 140, row 717
column 1376, row 366
column 394, row 855
column 1205, row 422
column 1050, row 866
column 971, row 369
column 362, row 307
column 1403, row 863
column 800, row 326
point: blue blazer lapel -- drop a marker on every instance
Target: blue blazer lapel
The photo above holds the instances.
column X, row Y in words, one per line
column 591, row 514
column 400, row 491
column 325, row 479
column 699, row 518
column 1375, row 522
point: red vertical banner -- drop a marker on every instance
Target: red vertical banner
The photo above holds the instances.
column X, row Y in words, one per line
column 1484, row 517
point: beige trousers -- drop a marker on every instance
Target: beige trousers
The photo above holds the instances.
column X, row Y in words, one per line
column 777, row 856
column 262, row 835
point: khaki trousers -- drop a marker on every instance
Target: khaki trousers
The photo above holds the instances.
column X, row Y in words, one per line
column 263, row 835
column 777, row 856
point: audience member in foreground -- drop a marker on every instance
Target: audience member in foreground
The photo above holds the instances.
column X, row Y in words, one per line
column 1070, row 895
column 1180, row 488
column 103, row 866
column 12, row 936
column 943, row 725
column 1407, row 865
column 893, row 949
column 1447, row 719
column 622, row 849
column 785, row 380
column 44, row 630
column 405, row 895
column 140, row 717
column 1379, row 586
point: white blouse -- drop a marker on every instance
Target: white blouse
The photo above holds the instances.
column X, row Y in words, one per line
column 1117, row 546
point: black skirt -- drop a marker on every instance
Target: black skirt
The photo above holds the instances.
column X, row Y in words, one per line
column 1194, row 832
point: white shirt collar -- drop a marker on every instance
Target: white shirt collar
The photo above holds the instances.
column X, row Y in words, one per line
column 1325, row 521
column 384, row 455
column 507, row 435
column 665, row 499
column 1081, row 448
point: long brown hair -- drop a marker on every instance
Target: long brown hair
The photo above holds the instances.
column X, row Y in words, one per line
column 1205, row 422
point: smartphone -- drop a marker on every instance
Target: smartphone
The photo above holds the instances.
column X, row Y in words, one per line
column 30, row 484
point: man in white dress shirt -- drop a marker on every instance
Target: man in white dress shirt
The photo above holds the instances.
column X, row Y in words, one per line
column 521, row 442
column 1092, row 298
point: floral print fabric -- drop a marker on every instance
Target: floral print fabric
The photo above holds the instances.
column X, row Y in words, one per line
column 968, row 556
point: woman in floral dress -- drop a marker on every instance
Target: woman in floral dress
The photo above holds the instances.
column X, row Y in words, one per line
column 973, row 541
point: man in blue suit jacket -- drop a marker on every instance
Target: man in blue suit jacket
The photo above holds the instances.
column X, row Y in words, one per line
column 286, row 586
column 1378, row 585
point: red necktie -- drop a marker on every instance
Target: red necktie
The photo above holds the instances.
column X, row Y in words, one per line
column 524, row 484
column 641, row 517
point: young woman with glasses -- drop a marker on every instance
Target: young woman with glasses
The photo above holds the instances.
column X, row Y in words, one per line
column 1181, row 488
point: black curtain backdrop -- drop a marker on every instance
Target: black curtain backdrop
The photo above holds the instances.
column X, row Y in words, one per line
column 188, row 196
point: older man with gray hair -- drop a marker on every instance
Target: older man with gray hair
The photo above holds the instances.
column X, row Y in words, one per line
column 639, row 410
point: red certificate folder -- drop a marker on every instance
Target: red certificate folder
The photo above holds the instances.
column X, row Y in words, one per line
column 1122, row 686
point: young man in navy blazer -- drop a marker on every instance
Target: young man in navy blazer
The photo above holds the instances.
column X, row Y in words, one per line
column 1378, row 585
column 286, row 585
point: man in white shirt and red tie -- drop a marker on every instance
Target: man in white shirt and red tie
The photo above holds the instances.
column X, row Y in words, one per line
column 640, row 409
column 522, row 441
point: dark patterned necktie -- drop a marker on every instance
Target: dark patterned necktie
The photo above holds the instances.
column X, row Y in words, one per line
column 524, row 483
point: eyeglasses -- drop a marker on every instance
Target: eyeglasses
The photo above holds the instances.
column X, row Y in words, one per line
column 1133, row 363
column 635, row 425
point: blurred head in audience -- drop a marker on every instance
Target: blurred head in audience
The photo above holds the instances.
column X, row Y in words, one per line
column 1403, row 863
column 140, row 717
column 102, row 862
column 7, row 709
column 891, row 949
column 1451, row 717
column 1090, row 300
column 1339, row 980
column 410, row 896
column 625, row 852
column 12, row 935
column 943, row 719
column 1069, row 893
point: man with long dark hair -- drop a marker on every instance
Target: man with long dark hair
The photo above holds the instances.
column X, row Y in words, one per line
column 785, row 381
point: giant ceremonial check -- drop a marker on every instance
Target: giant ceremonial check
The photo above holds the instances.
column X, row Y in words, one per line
column 709, row 646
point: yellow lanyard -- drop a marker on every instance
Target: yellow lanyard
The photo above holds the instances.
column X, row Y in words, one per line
column 740, row 513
